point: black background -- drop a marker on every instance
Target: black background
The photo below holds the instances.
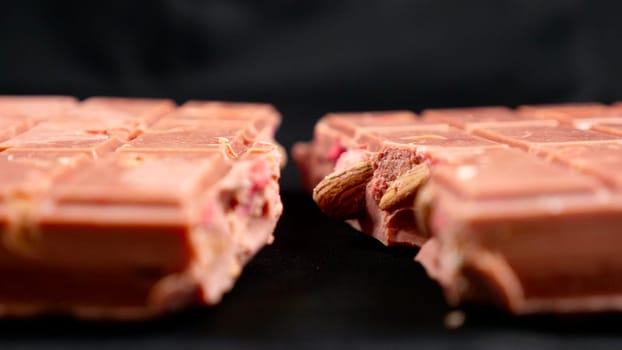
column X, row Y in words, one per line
column 321, row 283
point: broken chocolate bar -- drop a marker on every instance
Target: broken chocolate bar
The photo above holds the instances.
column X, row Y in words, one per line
column 392, row 145
column 128, row 208
column 521, row 208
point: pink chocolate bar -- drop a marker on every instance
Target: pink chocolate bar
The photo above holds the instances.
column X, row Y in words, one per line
column 128, row 208
column 518, row 208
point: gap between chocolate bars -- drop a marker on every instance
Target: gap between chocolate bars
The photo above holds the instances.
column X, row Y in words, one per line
column 122, row 208
column 521, row 208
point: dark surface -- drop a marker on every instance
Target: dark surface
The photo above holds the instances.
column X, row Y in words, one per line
column 322, row 284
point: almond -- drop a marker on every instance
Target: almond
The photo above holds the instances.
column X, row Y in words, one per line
column 404, row 187
column 341, row 194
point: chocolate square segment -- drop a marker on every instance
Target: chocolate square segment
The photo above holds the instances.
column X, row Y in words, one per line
column 609, row 126
column 65, row 135
column 139, row 108
column 428, row 135
column 153, row 178
column 36, row 107
column 137, row 196
column 223, row 126
column 464, row 117
column 11, row 126
column 507, row 173
column 27, row 173
column 526, row 135
column 18, row 113
column 349, row 123
column 569, row 111
column 603, row 160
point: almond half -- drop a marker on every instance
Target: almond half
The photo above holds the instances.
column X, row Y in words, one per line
column 341, row 194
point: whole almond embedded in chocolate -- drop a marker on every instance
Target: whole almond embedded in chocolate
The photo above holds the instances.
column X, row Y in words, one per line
column 404, row 187
column 342, row 193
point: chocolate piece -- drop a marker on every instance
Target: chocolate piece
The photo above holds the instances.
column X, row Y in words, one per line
column 121, row 117
column 466, row 117
column 12, row 126
column 599, row 159
column 530, row 134
column 611, row 126
column 534, row 240
column 63, row 136
column 520, row 209
column 17, row 113
column 115, row 208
